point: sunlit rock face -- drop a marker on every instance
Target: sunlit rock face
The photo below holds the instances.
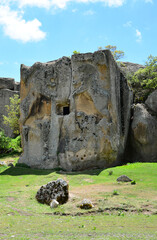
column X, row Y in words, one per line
column 75, row 112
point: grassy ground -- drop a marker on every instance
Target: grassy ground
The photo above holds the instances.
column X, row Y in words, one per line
column 132, row 214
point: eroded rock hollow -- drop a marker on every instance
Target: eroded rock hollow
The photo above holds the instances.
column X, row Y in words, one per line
column 75, row 112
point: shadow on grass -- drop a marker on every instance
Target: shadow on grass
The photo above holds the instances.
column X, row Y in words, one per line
column 17, row 171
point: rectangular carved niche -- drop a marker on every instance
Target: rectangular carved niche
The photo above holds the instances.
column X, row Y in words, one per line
column 63, row 109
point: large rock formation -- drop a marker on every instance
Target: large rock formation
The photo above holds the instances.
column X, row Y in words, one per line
column 143, row 141
column 8, row 88
column 75, row 112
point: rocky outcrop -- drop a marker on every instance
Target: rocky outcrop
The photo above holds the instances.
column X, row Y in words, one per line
column 129, row 68
column 143, row 141
column 8, row 88
column 75, row 113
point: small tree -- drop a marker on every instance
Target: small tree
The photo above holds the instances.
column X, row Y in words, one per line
column 117, row 54
column 76, row 52
column 144, row 81
column 147, row 77
column 13, row 110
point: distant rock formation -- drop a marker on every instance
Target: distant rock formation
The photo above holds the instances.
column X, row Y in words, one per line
column 130, row 68
column 8, row 88
column 75, row 113
column 143, row 137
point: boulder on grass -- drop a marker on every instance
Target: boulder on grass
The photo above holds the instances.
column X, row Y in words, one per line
column 58, row 190
column 10, row 165
column 123, row 178
column 86, row 204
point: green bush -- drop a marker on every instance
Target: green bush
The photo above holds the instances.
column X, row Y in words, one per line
column 115, row 192
column 9, row 145
column 133, row 182
column 110, row 172
column 144, row 81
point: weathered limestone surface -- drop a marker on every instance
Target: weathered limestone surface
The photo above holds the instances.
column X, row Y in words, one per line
column 8, row 88
column 143, row 142
column 75, row 112
column 151, row 102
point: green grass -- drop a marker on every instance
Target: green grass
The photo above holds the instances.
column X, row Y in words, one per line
column 130, row 215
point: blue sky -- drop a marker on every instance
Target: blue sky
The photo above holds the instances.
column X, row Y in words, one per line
column 45, row 30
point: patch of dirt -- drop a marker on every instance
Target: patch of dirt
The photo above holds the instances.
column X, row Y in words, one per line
column 88, row 180
column 96, row 193
column 8, row 160
column 11, row 199
column 93, row 191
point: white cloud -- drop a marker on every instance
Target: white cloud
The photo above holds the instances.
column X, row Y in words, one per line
column 63, row 3
column 74, row 10
column 17, row 28
column 109, row 3
column 114, row 3
column 89, row 12
column 32, row 3
column 149, row 1
column 43, row 3
column 128, row 24
column 138, row 35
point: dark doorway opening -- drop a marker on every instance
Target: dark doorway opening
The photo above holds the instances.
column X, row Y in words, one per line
column 66, row 110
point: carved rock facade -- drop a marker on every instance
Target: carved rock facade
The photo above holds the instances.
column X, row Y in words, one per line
column 75, row 112
column 8, row 88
